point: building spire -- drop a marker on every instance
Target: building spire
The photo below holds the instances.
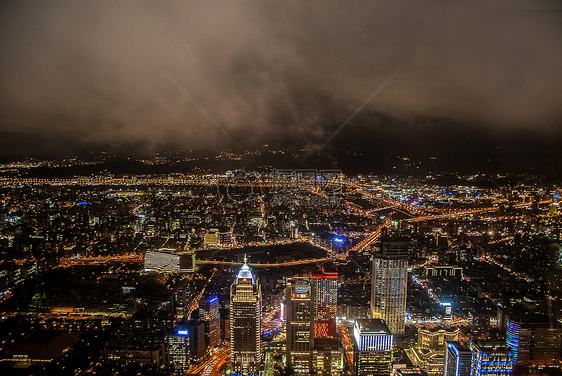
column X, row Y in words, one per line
column 245, row 272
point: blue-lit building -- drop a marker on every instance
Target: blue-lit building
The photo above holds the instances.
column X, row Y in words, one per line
column 209, row 310
column 491, row 359
column 536, row 342
column 512, row 337
column 178, row 348
column 185, row 344
column 372, row 348
column 457, row 359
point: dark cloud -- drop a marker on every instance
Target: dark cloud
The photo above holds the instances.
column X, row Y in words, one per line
column 92, row 72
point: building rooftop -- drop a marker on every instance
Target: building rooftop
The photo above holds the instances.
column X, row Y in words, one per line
column 458, row 346
column 325, row 344
column 373, row 326
column 43, row 345
column 166, row 250
column 491, row 346
column 437, row 329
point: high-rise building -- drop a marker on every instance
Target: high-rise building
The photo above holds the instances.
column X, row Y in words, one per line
column 209, row 310
column 185, row 343
column 389, row 284
column 373, row 348
column 197, row 345
column 245, row 323
column 457, row 360
column 178, row 348
column 480, row 319
column 491, row 359
column 181, row 297
column 325, row 290
column 535, row 342
column 299, row 316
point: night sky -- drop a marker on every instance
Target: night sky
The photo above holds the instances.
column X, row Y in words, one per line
column 466, row 81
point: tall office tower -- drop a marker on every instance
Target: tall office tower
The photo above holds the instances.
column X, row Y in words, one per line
column 389, row 283
column 245, row 323
column 325, row 290
column 197, row 346
column 181, row 297
column 457, row 360
column 299, row 316
column 185, row 343
column 209, row 310
column 535, row 342
column 178, row 348
column 491, row 359
column 373, row 348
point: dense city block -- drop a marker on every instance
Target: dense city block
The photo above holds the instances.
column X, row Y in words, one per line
column 305, row 272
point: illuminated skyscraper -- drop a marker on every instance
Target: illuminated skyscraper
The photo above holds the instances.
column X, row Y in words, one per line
column 300, row 325
column 457, row 360
column 536, row 342
column 209, row 309
column 245, row 323
column 373, row 348
column 325, row 290
column 178, row 348
column 389, row 283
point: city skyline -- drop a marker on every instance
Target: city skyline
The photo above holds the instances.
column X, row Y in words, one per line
column 159, row 273
column 253, row 188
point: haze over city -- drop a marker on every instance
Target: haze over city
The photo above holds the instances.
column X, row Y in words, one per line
column 127, row 76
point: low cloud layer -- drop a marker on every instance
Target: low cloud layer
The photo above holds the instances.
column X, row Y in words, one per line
column 95, row 72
